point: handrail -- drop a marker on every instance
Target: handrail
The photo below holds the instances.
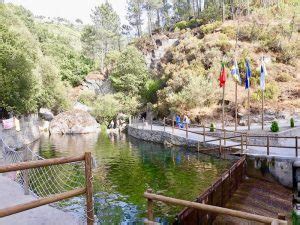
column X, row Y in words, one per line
column 214, row 209
column 88, row 190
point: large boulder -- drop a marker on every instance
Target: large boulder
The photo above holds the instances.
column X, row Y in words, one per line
column 74, row 122
column 46, row 114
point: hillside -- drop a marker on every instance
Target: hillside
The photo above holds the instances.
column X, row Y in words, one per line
column 189, row 69
column 51, row 62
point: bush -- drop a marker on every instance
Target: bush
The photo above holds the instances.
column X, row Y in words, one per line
column 230, row 31
column 210, row 28
column 272, row 92
column 274, row 126
column 212, row 127
column 151, row 88
column 105, row 108
column 283, row 77
column 292, row 122
column 181, row 25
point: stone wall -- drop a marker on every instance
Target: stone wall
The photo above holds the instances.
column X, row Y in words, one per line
column 162, row 137
column 271, row 169
column 29, row 132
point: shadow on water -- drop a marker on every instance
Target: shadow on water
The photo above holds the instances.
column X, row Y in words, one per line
column 126, row 167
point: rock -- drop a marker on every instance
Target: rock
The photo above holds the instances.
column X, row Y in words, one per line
column 74, row 122
column 98, row 83
column 46, row 114
column 243, row 123
column 82, row 107
column 44, row 125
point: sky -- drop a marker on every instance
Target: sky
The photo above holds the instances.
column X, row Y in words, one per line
column 69, row 9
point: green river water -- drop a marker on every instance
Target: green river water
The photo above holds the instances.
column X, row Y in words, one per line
column 126, row 167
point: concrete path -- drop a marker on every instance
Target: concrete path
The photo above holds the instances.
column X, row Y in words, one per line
column 251, row 150
column 11, row 194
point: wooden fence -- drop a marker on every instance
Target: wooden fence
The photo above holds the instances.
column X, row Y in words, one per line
column 241, row 138
column 87, row 190
column 217, row 195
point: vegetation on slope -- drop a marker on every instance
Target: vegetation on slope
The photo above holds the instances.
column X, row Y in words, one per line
column 37, row 63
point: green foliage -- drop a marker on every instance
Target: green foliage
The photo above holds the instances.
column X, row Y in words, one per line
column 212, row 127
column 18, row 85
column 230, row 31
column 150, row 90
column 181, row 25
column 211, row 27
column 274, row 126
column 271, row 93
column 105, row 108
column 292, row 122
column 130, row 72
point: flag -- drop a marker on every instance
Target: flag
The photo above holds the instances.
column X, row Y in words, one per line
column 222, row 78
column 263, row 74
column 235, row 72
column 248, row 74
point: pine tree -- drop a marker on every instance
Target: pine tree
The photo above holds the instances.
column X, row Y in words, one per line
column 134, row 15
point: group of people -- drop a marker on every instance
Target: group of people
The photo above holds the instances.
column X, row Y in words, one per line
column 185, row 122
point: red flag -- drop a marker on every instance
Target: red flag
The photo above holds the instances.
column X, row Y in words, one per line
column 222, row 77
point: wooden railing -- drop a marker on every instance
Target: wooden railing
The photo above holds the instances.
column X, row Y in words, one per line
column 217, row 194
column 208, row 208
column 242, row 138
column 87, row 190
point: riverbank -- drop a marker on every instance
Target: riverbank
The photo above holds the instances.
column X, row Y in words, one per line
column 12, row 194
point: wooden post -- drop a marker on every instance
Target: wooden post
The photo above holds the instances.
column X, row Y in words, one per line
column 89, row 188
column 224, row 132
column 173, row 124
column 262, row 110
column 220, row 147
column 186, row 131
column 150, row 207
column 246, row 140
column 164, row 123
column 268, row 145
column 242, row 144
column 249, row 108
column 236, row 106
column 204, row 134
column 296, row 145
column 26, row 175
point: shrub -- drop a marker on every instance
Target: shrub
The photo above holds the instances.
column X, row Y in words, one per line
column 193, row 23
column 210, row 28
column 151, row 88
column 271, row 92
column 292, row 122
column 283, row 77
column 212, row 127
column 230, row 31
column 274, row 126
column 181, row 25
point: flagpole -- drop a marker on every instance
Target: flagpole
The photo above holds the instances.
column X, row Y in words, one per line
column 262, row 111
column 235, row 125
column 249, row 108
column 223, row 127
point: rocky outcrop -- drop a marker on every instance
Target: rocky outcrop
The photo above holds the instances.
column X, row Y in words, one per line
column 97, row 83
column 74, row 122
column 81, row 106
column 46, row 114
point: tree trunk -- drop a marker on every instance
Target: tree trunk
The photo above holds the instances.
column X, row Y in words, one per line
column 157, row 18
column 149, row 22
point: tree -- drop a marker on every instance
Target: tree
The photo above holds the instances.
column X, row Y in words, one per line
column 104, row 34
column 130, row 72
column 134, row 15
column 152, row 6
column 18, row 85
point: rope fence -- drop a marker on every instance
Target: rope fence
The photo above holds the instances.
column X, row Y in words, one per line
column 48, row 180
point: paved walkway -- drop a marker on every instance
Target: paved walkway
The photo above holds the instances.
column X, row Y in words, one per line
column 251, row 150
column 12, row 194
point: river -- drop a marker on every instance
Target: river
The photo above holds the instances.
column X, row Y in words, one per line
column 126, row 167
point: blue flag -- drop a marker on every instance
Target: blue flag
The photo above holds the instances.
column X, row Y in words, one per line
column 263, row 74
column 248, row 74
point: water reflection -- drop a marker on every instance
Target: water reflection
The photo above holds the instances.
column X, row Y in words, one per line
column 126, row 167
